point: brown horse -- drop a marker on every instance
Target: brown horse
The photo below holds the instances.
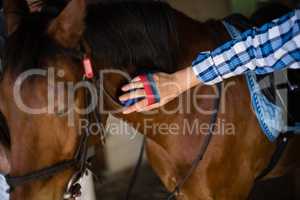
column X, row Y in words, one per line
column 129, row 35
column 38, row 140
column 232, row 161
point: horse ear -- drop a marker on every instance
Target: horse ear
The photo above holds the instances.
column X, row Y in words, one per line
column 68, row 27
column 4, row 160
column 13, row 12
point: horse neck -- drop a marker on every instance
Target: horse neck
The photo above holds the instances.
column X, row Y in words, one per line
column 196, row 36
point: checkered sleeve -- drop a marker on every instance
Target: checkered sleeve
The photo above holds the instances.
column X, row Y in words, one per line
column 273, row 46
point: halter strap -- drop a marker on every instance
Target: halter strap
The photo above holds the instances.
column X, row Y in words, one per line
column 79, row 161
column 15, row 181
column 203, row 149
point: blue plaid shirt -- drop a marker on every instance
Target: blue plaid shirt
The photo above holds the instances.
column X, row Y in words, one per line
column 274, row 46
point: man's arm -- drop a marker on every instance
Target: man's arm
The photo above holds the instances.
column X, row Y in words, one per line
column 273, row 46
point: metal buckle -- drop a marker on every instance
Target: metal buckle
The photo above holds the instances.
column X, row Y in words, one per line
column 73, row 189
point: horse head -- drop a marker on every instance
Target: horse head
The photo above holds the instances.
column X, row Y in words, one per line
column 45, row 150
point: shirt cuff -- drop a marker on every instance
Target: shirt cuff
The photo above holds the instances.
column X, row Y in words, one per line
column 205, row 69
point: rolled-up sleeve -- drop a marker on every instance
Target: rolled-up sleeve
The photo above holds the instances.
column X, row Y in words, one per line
column 273, row 46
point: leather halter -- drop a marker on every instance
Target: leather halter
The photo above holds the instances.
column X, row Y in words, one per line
column 80, row 161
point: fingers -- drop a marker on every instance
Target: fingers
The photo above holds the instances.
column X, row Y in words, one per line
column 136, row 79
column 136, row 107
column 133, row 95
column 137, row 92
column 132, row 86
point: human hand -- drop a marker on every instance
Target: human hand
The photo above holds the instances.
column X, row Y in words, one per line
column 168, row 87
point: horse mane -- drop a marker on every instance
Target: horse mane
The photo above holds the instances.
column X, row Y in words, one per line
column 130, row 33
column 133, row 33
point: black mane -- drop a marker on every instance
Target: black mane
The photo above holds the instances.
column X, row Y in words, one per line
column 133, row 34
column 123, row 34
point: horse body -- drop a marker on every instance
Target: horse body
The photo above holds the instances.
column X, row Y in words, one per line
column 232, row 162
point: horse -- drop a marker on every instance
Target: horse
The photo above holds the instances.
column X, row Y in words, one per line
column 42, row 155
column 124, row 34
column 231, row 163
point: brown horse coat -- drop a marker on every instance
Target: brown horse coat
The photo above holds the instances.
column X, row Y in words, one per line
column 232, row 162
